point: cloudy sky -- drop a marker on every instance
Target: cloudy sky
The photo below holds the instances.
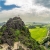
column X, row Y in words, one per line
column 28, row 10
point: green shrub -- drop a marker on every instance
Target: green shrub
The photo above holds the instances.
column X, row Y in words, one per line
column 42, row 48
column 0, row 42
column 17, row 32
column 23, row 28
column 1, row 33
column 3, row 28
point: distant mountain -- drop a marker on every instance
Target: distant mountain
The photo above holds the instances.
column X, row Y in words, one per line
column 1, row 24
column 35, row 23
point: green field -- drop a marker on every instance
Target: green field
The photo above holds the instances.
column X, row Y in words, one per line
column 38, row 33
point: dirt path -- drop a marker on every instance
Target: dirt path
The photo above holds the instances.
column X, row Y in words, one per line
column 4, row 46
column 16, row 46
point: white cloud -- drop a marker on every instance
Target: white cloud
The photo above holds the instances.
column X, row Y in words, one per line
column 29, row 11
column 37, row 17
column 26, row 5
column 18, row 2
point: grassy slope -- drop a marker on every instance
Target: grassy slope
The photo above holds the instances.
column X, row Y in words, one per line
column 38, row 33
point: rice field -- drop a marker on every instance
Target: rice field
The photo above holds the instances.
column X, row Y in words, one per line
column 38, row 33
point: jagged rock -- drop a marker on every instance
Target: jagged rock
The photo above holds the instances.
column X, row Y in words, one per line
column 8, row 29
column 10, row 42
column 9, row 48
column 3, row 39
column 15, row 23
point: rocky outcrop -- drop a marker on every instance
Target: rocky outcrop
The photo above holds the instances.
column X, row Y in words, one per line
column 15, row 23
column 9, row 29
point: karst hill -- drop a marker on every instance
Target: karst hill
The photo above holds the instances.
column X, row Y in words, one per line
column 15, row 30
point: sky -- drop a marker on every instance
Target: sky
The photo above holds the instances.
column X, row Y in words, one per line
column 28, row 10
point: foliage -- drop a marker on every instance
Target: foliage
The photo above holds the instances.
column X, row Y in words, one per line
column 3, row 28
column 30, row 43
column 45, row 40
column 1, row 33
column 0, row 42
column 17, row 32
column 42, row 47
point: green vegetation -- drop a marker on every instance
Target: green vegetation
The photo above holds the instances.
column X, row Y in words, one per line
column 0, row 41
column 1, row 36
column 3, row 28
column 1, row 33
column 48, row 48
column 15, row 30
column 38, row 33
